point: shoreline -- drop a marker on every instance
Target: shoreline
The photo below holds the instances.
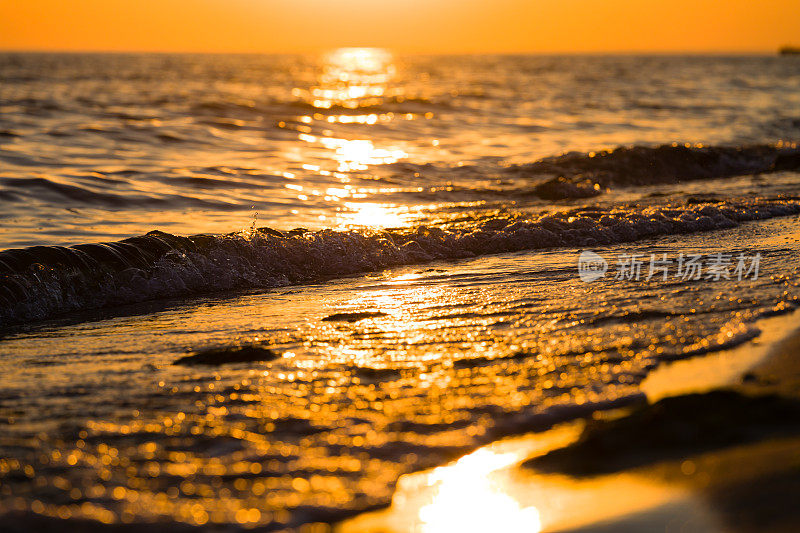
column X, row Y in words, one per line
column 723, row 368
column 703, row 486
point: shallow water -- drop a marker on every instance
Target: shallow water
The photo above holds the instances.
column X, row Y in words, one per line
column 462, row 353
column 432, row 303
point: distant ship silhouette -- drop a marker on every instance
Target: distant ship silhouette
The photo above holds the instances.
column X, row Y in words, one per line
column 789, row 50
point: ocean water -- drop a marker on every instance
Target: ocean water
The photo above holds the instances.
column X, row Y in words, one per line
column 401, row 233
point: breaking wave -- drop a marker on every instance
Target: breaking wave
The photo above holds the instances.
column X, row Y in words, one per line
column 643, row 165
column 43, row 281
column 577, row 175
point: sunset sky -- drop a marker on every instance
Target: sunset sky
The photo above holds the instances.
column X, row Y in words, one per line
column 426, row 26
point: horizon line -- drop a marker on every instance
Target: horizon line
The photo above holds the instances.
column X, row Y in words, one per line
column 759, row 51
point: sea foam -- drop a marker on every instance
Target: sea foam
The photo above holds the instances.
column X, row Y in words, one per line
column 42, row 281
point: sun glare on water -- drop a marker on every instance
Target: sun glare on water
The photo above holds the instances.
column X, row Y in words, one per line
column 352, row 74
column 353, row 83
column 467, row 500
column 371, row 215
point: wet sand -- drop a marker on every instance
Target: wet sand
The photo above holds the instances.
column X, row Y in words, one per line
column 726, row 459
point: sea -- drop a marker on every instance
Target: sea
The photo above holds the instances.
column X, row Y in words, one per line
column 253, row 291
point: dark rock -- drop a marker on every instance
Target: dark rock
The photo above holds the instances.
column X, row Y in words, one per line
column 352, row 317
column 561, row 188
column 235, row 354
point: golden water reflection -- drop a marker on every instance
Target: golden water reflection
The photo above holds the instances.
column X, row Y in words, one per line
column 371, row 215
column 355, row 154
column 466, row 492
column 357, row 79
column 354, row 77
column 489, row 490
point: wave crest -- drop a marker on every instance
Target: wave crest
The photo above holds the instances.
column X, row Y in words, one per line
column 39, row 282
column 643, row 165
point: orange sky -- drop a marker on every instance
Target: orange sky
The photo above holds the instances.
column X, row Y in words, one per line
column 427, row 26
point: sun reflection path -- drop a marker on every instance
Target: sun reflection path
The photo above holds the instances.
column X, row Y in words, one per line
column 351, row 75
column 352, row 79
column 358, row 153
